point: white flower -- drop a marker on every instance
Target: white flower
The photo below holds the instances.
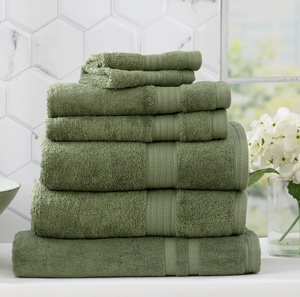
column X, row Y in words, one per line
column 275, row 143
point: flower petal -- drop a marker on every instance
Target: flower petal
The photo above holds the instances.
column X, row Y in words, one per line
column 286, row 171
column 289, row 144
column 289, row 130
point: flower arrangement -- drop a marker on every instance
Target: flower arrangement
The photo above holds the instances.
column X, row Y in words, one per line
column 274, row 147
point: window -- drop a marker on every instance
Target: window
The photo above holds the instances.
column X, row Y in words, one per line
column 260, row 59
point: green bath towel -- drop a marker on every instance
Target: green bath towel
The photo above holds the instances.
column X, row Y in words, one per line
column 195, row 126
column 71, row 99
column 176, row 60
column 120, row 166
column 180, row 213
column 108, row 78
column 34, row 256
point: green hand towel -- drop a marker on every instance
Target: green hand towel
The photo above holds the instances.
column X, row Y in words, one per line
column 120, row 166
column 180, row 213
column 65, row 100
column 195, row 126
column 108, row 78
column 34, row 256
column 176, row 60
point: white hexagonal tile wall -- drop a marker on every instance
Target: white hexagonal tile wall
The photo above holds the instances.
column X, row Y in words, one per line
column 36, row 149
column 72, row 77
column 26, row 97
column 2, row 10
column 205, row 74
column 167, row 34
column 140, row 12
column 26, row 176
column 10, row 224
column 17, row 149
column 32, row 14
column 14, row 50
column 207, row 41
column 84, row 13
column 193, row 13
column 2, row 101
column 110, row 36
column 58, row 48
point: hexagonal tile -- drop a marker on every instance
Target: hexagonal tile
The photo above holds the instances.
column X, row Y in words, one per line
column 2, row 101
column 36, row 149
column 10, row 224
column 58, row 48
column 32, row 14
column 99, row 38
column 140, row 12
column 159, row 37
column 26, row 97
column 2, row 10
column 14, row 50
column 193, row 13
column 26, row 176
column 204, row 74
column 17, row 149
column 72, row 77
column 84, row 13
column 207, row 40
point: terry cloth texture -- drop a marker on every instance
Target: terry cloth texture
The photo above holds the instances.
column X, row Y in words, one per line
column 120, row 166
column 34, row 256
column 118, row 79
column 176, row 60
column 195, row 126
column 65, row 100
column 180, row 213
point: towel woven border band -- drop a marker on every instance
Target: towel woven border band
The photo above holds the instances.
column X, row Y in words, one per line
column 168, row 100
column 160, row 212
column 165, row 127
column 181, row 256
column 241, row 166
column 161, row 165
column 240, row 208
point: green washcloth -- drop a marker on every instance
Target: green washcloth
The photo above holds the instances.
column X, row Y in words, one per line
column 194, row 126
column 120, row 166
column 34, row 256
column 71, row 99
column 180, row 213
column 176, row 60
column 108, row 78
column 124, row 70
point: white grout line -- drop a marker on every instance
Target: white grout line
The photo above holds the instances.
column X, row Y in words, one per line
column 26, row 218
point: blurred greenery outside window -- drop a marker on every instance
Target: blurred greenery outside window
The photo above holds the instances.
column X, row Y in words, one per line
column 260, row 59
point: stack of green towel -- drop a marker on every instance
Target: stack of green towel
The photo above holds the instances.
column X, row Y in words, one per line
column 141, row 175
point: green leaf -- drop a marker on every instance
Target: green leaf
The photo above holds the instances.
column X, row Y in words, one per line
column 258, row 174
column 294, row 190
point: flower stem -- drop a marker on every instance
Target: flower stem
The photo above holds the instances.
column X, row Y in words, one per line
column 289, row 229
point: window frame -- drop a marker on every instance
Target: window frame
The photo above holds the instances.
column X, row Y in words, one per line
column 224, row 56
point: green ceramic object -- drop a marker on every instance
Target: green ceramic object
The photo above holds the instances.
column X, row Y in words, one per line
column 8, row 190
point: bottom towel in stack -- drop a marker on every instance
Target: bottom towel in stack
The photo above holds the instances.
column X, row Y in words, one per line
column 35, row 256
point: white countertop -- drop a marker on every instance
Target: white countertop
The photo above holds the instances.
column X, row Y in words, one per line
column 278, row 277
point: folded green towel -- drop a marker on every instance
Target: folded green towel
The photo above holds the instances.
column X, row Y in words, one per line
column 34, row 256
column 180, row 213
column 176, row 60
column 194, row 126
column 84, row 100
column 108, row 78
column 120, row 166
